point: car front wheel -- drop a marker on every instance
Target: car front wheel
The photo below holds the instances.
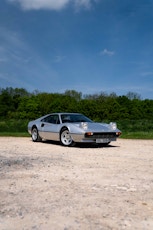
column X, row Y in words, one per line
column 65, row 138
column 35, row 135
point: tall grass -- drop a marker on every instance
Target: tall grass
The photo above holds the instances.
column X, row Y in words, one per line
column 136, row 129
column 133, row 129
column 13, row 126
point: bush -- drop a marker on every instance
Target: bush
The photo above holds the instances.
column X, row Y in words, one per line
column 13, row 125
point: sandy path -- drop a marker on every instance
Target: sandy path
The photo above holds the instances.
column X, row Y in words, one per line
column 44, row 186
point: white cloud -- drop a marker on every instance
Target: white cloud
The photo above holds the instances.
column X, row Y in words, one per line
column 41, row 4
column 85, row 3
column 51, row 4
column 107, row 52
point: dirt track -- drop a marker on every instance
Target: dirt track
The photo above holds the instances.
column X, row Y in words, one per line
column 44, row 186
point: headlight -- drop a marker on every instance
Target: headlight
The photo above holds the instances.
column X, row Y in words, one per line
column 84, row 125
column 113, row 125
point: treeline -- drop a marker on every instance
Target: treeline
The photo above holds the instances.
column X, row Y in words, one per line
column 18, row 103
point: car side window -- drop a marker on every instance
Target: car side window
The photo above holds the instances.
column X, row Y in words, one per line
column 66, row 118
column 56, row 119
column 53, row 119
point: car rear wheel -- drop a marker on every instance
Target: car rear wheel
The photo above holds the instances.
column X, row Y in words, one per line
column 65, row 138
column 35, row 135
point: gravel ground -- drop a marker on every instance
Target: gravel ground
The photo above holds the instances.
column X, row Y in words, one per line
column 44, row 186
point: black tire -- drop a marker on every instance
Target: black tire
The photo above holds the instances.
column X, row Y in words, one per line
column 35, row 135
column 65, row 138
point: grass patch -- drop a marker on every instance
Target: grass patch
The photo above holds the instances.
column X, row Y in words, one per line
column 126, row 135
column 14, row 134
column 137, row 135
column 13, row 126
column 131, row 129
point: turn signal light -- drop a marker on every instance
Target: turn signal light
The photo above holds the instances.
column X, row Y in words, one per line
column 118, row 134
column 89, row 134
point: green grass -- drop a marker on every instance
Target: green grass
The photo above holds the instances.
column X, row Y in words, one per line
column 13, row 126
column 137, row 135
column 14, row 134
column 135, row 129
column 126, row 135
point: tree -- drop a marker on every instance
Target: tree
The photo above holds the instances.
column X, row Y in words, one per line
column 6, row 103
column 72, row 93
column 29, row 108
column 132, row 96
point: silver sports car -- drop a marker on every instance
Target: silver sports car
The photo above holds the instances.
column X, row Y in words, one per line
column 70, row 128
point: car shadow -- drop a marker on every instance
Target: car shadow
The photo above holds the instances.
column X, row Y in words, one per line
column 81, row 145
column 85, row 145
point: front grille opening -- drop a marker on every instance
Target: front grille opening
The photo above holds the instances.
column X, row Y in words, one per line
column 101, row 135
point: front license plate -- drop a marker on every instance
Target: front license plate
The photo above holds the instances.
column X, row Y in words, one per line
column 106, row 140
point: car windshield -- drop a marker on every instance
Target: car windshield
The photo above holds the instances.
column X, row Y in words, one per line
column 72, row 118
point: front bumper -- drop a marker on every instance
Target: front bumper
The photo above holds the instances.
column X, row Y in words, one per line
column 95, row 138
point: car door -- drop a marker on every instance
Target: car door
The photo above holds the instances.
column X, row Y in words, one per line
column 49, row 127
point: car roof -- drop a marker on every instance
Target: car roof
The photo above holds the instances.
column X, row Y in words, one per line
column 63, row 113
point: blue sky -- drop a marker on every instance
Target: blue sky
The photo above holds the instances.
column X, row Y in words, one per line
column 90, row 46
